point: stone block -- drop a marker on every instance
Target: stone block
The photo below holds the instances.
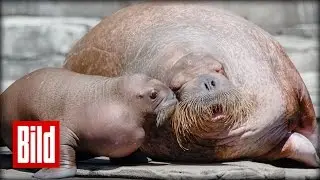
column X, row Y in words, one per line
column 305, row 61
column 13, row 69
column 303, row 30
column 36, row 37
column 296, row 43
column 62, row 8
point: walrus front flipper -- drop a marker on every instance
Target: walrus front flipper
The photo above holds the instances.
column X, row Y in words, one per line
column 68, row 168
column 306, row 123
column 297, row 147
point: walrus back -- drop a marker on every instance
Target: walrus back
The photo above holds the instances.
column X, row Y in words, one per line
column 46, row 93
column 49, row 93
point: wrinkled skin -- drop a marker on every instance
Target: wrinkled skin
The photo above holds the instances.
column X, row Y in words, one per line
column 267, row 113
column 99, row 116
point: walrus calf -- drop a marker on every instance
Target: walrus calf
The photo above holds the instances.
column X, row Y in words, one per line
column 98, row 115
column 240, row 96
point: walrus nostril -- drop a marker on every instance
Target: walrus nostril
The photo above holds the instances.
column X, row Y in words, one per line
column 207, row 82
column 213, row 83
column 207, row 87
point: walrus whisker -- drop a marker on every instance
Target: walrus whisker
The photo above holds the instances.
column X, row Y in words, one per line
column 192, row 116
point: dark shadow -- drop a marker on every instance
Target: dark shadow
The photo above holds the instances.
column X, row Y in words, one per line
column 6, row 161
column 85, row 162
column 192, row 164
column 106, row 164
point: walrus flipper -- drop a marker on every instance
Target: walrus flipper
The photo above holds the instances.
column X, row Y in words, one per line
column 297, row 147
column 308, row 125
column 68, row 168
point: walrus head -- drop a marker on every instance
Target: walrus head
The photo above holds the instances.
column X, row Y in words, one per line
column 208, row 101
column 151, row 96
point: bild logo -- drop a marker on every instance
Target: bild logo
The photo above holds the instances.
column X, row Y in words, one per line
column 35, row 144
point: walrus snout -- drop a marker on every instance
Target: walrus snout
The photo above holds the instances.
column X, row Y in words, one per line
column 204, row 84
column 207, row 82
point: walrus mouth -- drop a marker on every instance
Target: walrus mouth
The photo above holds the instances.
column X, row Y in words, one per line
column 218, row 115
column 209, row 112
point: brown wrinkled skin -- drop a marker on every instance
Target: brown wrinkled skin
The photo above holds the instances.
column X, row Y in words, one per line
column 153, row 38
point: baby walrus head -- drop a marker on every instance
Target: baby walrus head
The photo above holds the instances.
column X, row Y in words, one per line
column 150, row 96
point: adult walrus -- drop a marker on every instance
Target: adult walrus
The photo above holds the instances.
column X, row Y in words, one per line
column 240, row 96
column 98, row 115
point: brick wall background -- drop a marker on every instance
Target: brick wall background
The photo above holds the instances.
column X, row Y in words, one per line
column 36, row 34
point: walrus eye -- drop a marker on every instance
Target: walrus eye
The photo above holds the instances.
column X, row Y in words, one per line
column 153, row 95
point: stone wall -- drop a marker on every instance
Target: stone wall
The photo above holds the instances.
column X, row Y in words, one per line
column 273, row 16
column 39, row 33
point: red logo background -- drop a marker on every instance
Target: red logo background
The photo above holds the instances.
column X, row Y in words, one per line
column 45, row 128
